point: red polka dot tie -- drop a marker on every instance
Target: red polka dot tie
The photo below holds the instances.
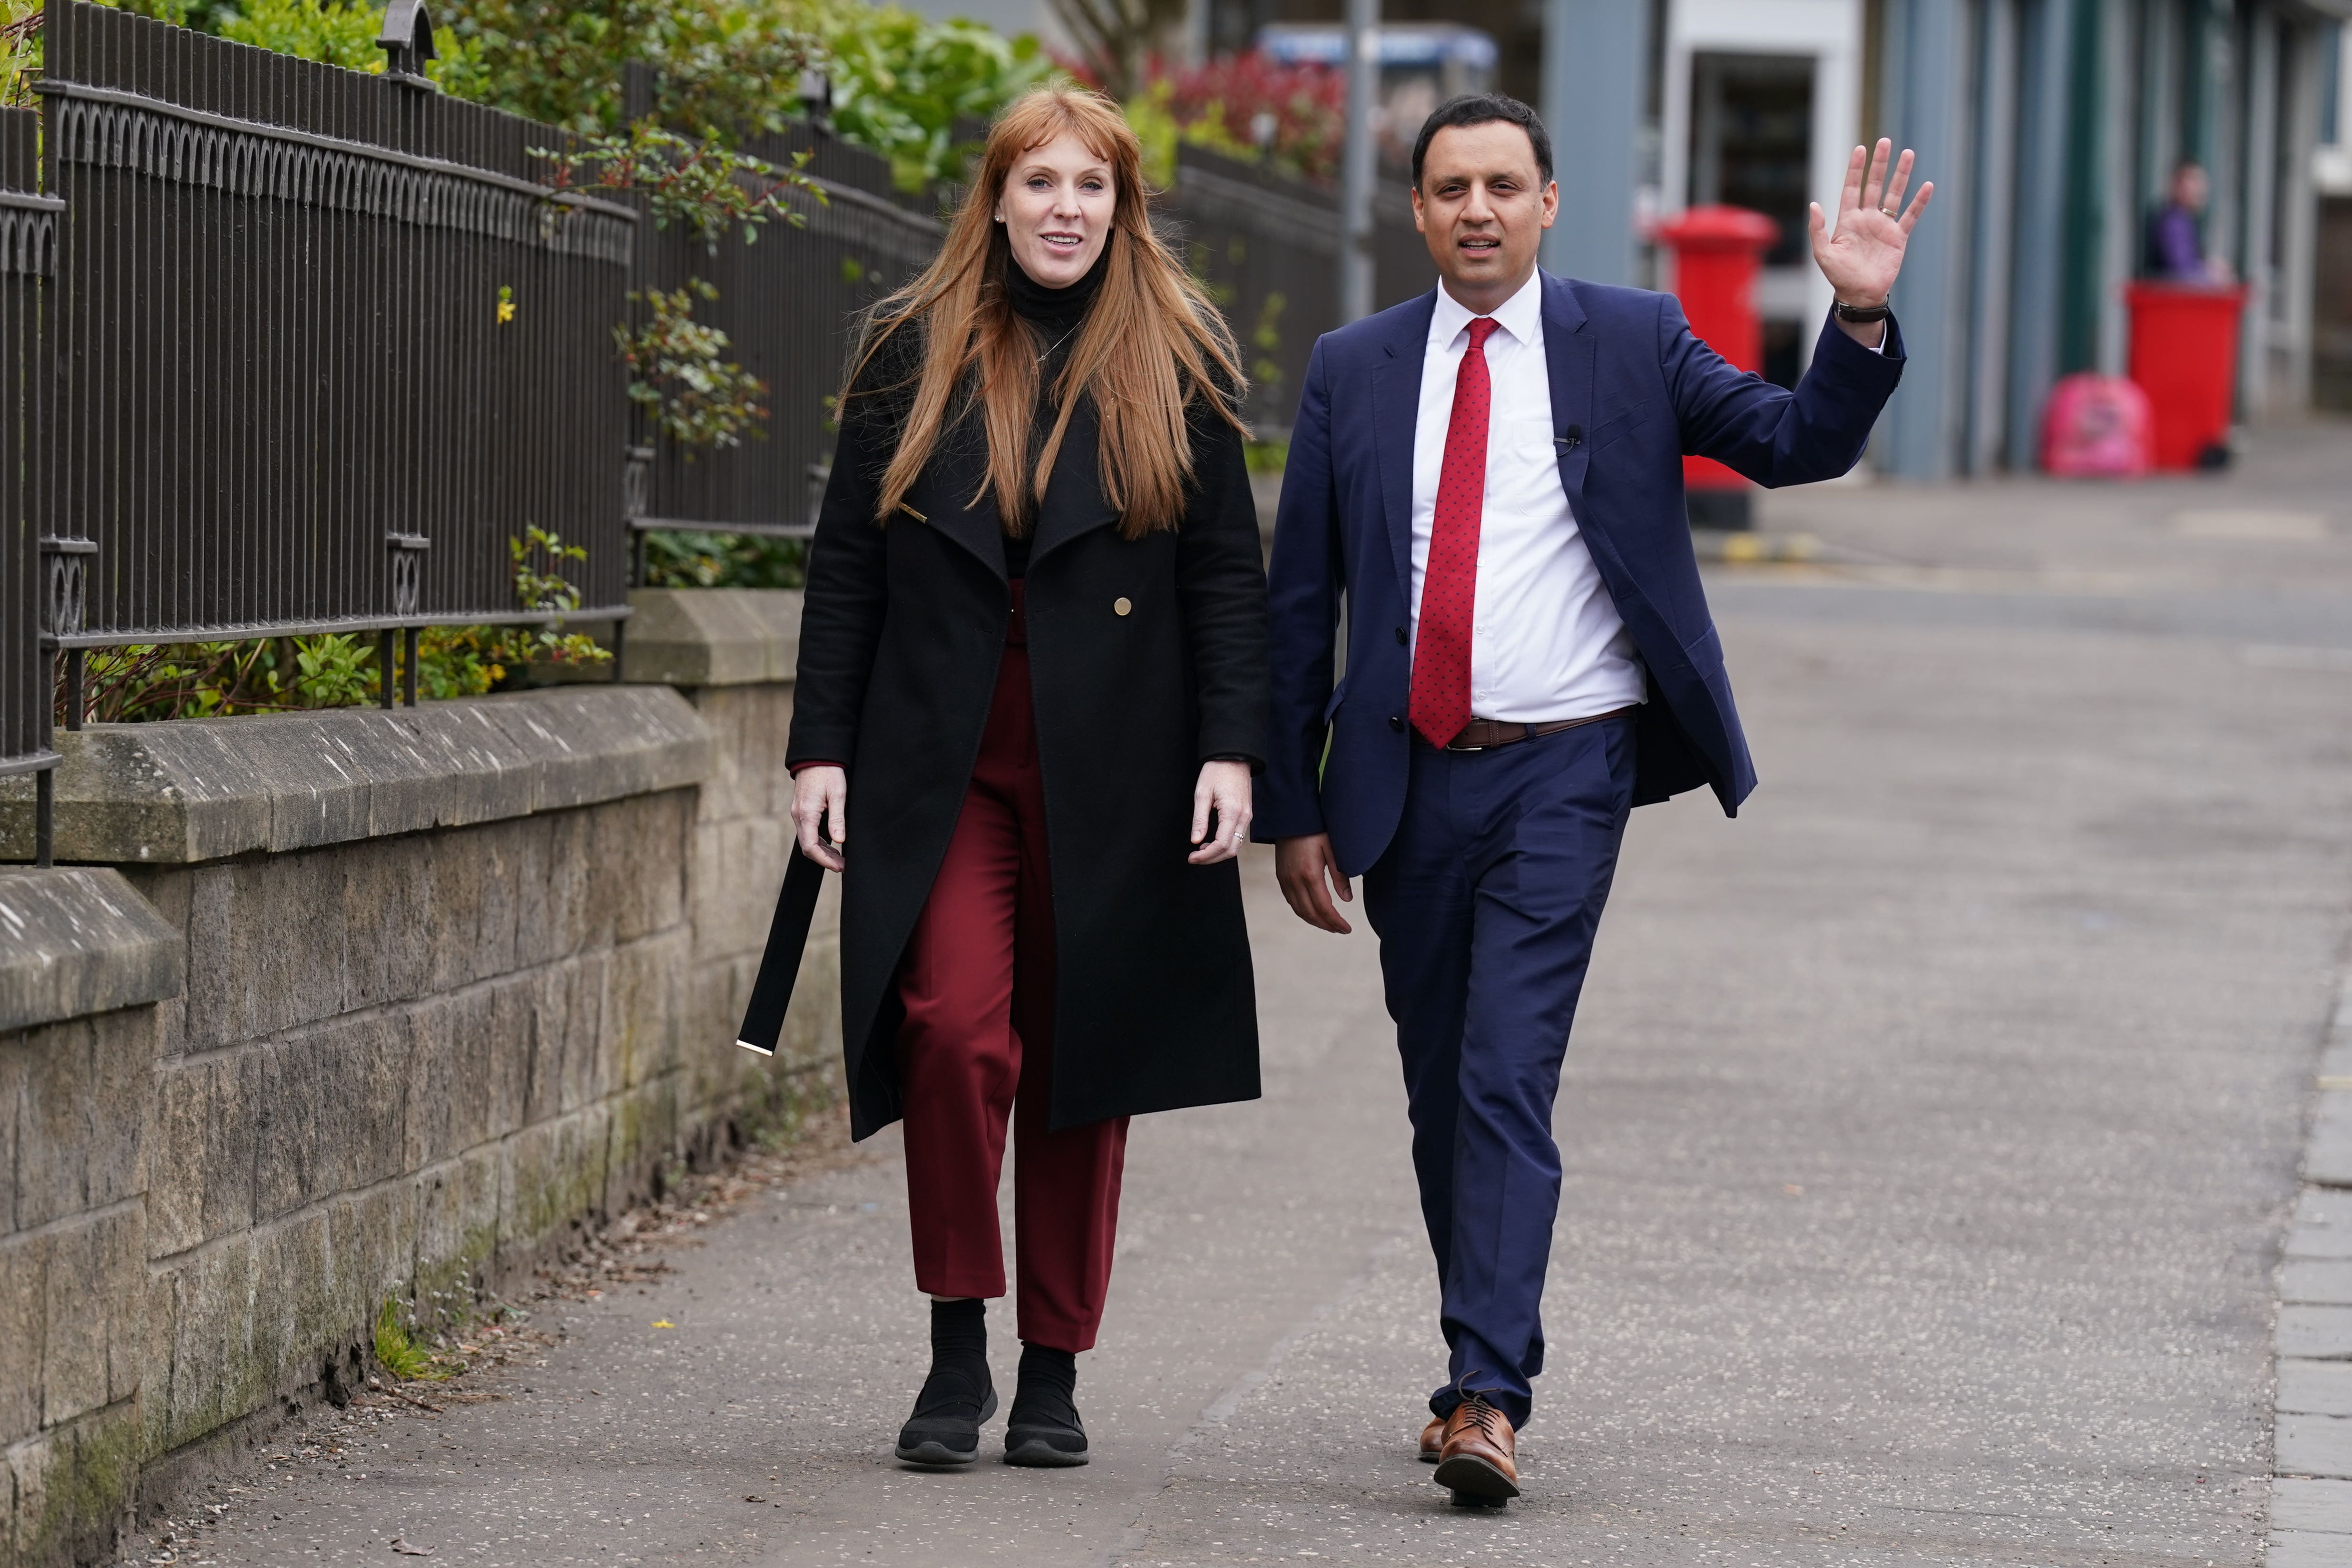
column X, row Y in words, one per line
column 1449, row 579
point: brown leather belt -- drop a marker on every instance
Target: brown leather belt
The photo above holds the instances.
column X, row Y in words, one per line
column 1486, row 734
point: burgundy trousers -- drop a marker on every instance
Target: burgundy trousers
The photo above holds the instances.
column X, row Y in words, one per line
column 978, row 1046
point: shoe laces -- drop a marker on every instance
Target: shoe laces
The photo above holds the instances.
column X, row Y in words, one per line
column 1475, row 1410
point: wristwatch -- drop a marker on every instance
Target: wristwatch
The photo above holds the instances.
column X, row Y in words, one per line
column 1861, row 315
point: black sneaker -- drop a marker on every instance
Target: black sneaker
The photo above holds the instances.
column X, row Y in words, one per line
column 958, row 1395
column 1043, row 1430
column 945, row 1427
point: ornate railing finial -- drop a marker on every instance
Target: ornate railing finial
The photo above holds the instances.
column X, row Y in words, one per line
column 406, row 41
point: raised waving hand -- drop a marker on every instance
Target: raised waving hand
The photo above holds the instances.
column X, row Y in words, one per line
column 1862, row 257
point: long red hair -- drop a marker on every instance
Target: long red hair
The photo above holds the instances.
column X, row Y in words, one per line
column 1151, row 344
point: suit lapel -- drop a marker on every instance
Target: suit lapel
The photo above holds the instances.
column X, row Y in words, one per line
column 1396, row 416
column 1569, row 358
column 1073, row 503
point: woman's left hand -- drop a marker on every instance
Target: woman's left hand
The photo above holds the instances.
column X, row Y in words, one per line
column 1224, row 793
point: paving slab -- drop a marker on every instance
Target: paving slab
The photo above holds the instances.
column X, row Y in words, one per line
column 2322, row 1226
column 2329, row 1161
column 2312, row 1505
column 2315, row 1388
column 2317, row 1281
column 2317, row 1333
column 2293, row 1549
column 2314, row 1445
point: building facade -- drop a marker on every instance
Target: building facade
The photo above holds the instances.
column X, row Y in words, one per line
column 2052, row 128
column 2331, row 313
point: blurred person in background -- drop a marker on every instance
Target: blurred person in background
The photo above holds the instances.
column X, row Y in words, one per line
column 2176, row 231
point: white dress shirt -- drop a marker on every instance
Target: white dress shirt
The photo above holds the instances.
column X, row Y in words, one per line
column 1546, row 642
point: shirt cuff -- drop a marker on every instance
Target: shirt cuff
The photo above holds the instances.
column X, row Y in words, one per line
column 811, row 763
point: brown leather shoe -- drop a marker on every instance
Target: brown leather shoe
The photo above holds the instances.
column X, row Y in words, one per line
column 1479, row 1456
column 1433, row 1439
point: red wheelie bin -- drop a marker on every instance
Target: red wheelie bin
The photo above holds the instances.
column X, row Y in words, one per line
column 2184, row 355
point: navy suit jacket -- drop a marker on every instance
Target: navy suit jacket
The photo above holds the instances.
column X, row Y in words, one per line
column 1632, row 390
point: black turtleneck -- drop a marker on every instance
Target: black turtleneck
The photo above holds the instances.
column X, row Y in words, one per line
column 1053, row 312
column 1054, row 315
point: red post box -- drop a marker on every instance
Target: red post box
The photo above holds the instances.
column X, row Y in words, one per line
column 2184, row 355
column 1718, row 251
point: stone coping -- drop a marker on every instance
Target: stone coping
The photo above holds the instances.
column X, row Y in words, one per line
column 712, row 637
column 76, row 942
column 205, row 789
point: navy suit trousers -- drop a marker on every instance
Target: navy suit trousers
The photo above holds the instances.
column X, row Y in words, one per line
column 1485, row 903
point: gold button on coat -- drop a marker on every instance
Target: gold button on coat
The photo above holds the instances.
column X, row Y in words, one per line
column 1122, row 606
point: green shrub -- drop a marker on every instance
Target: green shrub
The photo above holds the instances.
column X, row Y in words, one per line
column 680, row 373
column 154, row 682
column 723, row 66
column 900, row 82
column 20, row 50
column 695, row 560
column 314, row 29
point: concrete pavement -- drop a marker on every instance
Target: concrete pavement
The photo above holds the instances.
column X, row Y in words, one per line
column 1930, row 1134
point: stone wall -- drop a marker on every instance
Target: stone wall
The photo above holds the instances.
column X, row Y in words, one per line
column 363, row 1005
column 731, row 652
column 83, row 960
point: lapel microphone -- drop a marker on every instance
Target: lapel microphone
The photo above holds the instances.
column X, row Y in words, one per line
column 1570, row 439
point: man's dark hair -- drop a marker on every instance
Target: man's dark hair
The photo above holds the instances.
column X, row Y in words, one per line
column 1483, row 109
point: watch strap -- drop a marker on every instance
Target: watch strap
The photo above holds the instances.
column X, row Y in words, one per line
column 1860, row 314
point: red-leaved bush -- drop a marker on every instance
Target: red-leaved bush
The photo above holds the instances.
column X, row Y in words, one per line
column 1248, row 105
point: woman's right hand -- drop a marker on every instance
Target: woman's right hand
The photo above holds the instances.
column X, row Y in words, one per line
column 820, row 793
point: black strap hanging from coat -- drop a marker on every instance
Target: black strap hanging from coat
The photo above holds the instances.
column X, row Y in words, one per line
column 772, row 993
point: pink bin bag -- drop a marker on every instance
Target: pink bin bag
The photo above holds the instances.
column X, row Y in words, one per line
column 2098, row 427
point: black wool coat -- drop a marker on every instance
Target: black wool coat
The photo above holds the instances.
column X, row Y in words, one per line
column 902, row 631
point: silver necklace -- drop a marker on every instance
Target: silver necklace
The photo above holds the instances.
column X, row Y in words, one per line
column 1057, row 344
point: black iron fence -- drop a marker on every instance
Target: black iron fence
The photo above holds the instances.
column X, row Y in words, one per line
column 785, row 301
column 1268, row 249
column 321, row 344
column 28, row 240
column 1401, row 264
column 287, row 348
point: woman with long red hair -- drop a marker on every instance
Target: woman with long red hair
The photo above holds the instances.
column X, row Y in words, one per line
column 1033, row 672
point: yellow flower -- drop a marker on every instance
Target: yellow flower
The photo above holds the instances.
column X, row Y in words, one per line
column 506, row 304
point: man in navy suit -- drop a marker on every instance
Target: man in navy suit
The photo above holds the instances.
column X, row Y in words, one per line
column 1489, row 478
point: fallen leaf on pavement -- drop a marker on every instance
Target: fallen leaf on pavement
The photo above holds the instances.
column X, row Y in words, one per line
column 405, row 1549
